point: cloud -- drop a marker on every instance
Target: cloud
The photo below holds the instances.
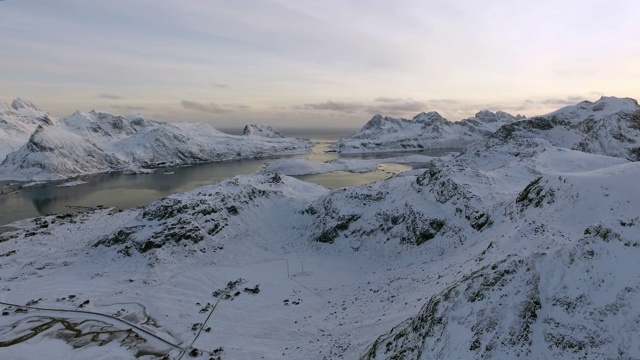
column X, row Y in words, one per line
column 213, row 108
column 222, row 86
column 525, row 105
column 387, row 99
column 347, row 107
column 570, row 100
column 238, row 106
column 545, row 104
column 110, row 96
column 452, row 109
column 380, row 105
column 398, row 107
column 130, row 108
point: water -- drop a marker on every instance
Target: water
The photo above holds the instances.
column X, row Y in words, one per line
column 127, row 191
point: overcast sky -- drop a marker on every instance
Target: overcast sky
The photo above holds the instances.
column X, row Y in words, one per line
column 316, row 63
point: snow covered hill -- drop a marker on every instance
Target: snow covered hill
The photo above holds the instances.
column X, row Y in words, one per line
column 609, row 126
column 38, row 147
column 515, row 247
column 424, row 131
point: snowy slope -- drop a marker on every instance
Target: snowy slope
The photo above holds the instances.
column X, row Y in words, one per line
column 569, row 300
column 609, row 126
column 17, row 122
column 104, row 127
column 95, row 142
column 513, row 248
column 424, row 131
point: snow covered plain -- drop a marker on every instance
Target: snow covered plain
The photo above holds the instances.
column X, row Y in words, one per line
column 513, row 248
column 35, row 146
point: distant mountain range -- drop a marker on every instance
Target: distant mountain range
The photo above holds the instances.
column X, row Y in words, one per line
column 424, row 131
column 37, row 146
column 609, row 126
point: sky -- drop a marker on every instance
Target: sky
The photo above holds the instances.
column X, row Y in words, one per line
column 303, row 63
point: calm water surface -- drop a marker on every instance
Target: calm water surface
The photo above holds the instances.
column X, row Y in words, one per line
column 127, row 191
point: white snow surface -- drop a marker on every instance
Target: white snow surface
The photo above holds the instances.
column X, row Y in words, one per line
column 37, row 147
column 514, row 248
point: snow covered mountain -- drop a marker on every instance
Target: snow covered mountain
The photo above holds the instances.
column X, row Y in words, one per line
column 262, row 130
column 424, row 131
column 54, row 153
column 17, row 122
column 609, row 126
column 29, row 110
column 37, row 147
column 514, row 248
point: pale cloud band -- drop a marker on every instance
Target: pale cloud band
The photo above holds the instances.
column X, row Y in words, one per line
column 213, row 108
column 110, row 97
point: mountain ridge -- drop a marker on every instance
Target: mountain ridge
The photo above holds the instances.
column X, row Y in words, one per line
column 108, row 142
column 426, row 130
column 608, row 126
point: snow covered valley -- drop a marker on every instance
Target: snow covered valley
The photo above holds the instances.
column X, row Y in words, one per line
column 516, row 247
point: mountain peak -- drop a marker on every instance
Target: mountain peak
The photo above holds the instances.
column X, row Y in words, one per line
column 604, row 106
column 28, row 109
column 20, row 103
column 617, row 102
column 431, row 116
column 262, row 130
column 488, row 116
